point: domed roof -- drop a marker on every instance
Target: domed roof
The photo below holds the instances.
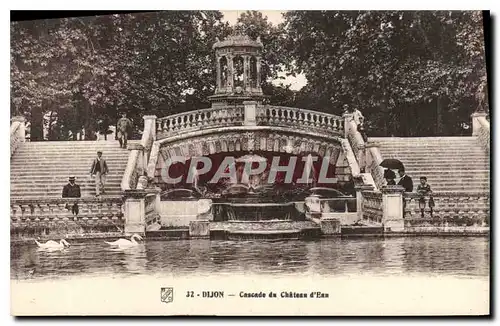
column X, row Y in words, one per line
column 238, row 40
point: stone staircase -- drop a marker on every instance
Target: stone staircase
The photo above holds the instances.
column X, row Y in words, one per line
column 451, row 164
column 39, row 170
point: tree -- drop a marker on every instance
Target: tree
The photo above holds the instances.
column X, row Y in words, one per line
column 85, row 67
column 407, row 71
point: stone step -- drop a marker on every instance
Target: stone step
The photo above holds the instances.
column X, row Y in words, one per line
column 58, row 178
column 25, row 186
column 443, row 160
column 77, row 142
column 425, row 142
column 425, row 153
column 426, row 139
column 40, row 193
column 73, row 155
column 57, row 167
column 58, row 196
column 447, row 174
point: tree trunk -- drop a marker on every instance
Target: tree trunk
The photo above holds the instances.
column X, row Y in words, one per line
column 36, row 132
column 439, row 116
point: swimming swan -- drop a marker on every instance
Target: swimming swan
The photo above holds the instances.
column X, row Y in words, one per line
column 124, row 243
column 52, row 244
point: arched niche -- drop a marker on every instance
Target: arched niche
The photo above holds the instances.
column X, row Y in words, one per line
column 239, row 71
column 223, row 71
column 253, row 72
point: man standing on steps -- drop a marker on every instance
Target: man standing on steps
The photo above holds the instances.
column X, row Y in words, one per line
column 405, row 180
column 72, row 190
column 123, row 128
column 100, row 169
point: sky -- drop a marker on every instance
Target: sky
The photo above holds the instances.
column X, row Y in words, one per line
column 274, row 16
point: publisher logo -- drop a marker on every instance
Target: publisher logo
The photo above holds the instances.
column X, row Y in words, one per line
column 167, row 295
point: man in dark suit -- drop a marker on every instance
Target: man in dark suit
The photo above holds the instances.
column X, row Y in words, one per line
column 405, row 180
column 100, row 170
column 72, row 190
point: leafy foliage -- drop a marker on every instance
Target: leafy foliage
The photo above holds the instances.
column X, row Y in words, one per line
column 407, row 71
column 410, row 73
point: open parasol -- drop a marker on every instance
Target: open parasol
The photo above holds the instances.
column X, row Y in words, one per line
column 392, row 163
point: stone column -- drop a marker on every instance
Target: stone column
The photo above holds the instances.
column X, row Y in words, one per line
column 475, row 122
column 392, row 208
column 246, row 73
column 230, row 73
column 217, row 68
column 347, row 123
column 250, row 113
column 257, row 59
column 313, row 206
column 359, row 198
column 135, row 212
column 150, row 123
column 149, row 127
column 372, row 160
column 21, row 131
column 141, row 160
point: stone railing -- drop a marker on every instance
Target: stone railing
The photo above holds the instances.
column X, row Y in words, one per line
column 59, row 209
column 32, row 218
column 17, row 133
column 223, row 116
column 139, row 155
column 338, row 205
column 151, row 209
column 132, row 173
column 372, row 207
column 299, row 118
column 353, row 136
column 452, row 208
column 483, row 133
column 373, row 160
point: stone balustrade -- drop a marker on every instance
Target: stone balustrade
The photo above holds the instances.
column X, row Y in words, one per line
column 450, row 207
column 372, row 207
column 338, row 205
column 53, row 218
column 373, row 160
column 299, row 118
column 353, row 135
column 151, row 209
column 483, row 132
column 17, row 133
column 139, row 155
column 221, row 116
column 132, row 173
column 267, row 115
column 59, row 209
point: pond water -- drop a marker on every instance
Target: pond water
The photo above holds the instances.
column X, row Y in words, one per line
column 439, row 256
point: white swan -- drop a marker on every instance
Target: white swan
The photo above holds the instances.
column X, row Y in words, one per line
column 124, row 243
column 53, row 244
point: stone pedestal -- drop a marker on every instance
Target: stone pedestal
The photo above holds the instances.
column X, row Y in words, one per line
column 475, row 122
column 313, row 206
column 205, row 209
column 392, row 208
column 135, row 212
column 330, row 226
column 347, row 123
column 359, row 198
column 21, row 131
column 250, row 113
column 199, row 229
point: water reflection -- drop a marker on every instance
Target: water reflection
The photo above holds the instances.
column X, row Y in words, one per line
column 428, row 255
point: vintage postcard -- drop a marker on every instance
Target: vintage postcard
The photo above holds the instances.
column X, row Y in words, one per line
column 257, row 163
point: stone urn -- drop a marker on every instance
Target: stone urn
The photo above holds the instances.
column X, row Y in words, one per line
column 142, row 183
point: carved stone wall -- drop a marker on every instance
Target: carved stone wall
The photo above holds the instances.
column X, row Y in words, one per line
column 268, row 141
